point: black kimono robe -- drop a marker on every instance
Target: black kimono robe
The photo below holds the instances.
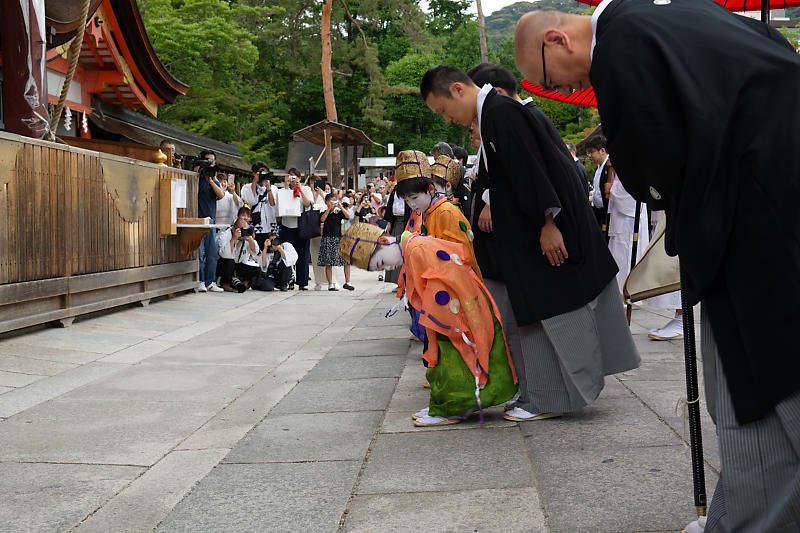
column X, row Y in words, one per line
column 701, row 108
column 530, row 171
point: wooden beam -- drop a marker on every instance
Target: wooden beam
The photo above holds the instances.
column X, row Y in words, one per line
column 329, row 159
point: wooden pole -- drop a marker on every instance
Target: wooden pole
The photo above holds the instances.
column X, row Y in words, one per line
column 328, row 158
column 355, row 167
column 482, row 33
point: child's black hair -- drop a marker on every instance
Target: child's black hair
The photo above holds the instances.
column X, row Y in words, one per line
column 412, row 186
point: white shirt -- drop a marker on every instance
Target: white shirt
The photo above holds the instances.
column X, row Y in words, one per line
column 289, row 260
column 481, row 99
column 597, row 194
column 595, row 16
column 620, row 202
column 227, row 208
column 398, row 206
column 247, row 255
column 267, row 210
column 348, row 221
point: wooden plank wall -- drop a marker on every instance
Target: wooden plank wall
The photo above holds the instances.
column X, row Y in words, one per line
column 58, row 219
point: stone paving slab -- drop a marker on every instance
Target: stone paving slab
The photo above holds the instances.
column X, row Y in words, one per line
column 277, row 497
column 17, row 379
column 308, row 437
column 159, row 382
column 479, row 458
column 353, row 348
column 509, row 510
column 383, row 366
column 111, row 432
column 153, row 495
column 23, row 347
column 340, row 395
column 234, row 353
column 55, row 497
column 623, row 490
column 43, row 390
column 28, row 365
column 604, row 425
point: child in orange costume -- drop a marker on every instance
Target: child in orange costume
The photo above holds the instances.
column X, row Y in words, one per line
column 468, row 364
column 433, row 214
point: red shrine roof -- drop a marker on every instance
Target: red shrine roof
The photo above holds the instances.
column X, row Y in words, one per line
column 117, row 62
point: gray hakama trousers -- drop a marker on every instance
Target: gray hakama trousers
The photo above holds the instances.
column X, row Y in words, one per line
column 561, row 361
column 759, row 486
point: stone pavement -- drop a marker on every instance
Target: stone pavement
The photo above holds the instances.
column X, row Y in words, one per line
column 291, row 412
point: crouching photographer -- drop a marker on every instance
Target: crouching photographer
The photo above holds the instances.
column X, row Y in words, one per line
column 238, row 256
column 276, row 266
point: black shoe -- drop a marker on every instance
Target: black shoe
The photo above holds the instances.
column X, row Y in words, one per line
column 348, row 287
column 304, row 288
column 291, row 286
column 284, row 288
column 332, row 289
column 380, row 278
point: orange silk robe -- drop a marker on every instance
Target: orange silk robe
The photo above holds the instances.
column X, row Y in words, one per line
column 451, row 298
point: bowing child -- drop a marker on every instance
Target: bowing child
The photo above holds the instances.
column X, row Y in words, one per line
column 469, row 368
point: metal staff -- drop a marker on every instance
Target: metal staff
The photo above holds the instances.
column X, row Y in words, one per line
column 634, row 248
column 693, row 402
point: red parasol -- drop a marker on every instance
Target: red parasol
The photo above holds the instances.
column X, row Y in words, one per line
column 584, row 97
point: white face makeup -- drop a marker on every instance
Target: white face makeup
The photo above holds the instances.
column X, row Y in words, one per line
column 387, row 256
column 418, row 201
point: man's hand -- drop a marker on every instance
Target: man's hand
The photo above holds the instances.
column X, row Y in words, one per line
column 607, row 187
column 485, row 219
column 236, row 234
column 251, row 241
column 552, row 242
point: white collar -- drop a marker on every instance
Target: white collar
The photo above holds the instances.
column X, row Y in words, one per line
column 481, row 98
column 527, row 101
column 595, row 16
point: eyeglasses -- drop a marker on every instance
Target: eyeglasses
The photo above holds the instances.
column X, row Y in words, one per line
column 544, row 74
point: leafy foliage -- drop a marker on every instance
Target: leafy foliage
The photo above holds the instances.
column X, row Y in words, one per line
column 253, row 67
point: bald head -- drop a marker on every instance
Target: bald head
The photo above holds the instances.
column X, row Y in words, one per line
column 555, row 46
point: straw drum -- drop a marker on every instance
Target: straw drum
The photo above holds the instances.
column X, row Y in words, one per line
column 411, row 164
column 358, row 243
column 448, row 169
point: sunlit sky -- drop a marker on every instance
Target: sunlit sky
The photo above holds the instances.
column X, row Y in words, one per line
column 489, row 6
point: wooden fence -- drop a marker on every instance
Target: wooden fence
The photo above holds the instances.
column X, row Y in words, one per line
column 80, row 232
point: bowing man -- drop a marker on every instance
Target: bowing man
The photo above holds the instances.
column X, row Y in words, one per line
column 718, row 92
column 558, row 273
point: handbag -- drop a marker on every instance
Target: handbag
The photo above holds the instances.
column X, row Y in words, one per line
column 309, row 225
column 656, row 273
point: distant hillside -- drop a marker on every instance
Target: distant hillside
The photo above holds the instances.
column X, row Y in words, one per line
column 500, row 24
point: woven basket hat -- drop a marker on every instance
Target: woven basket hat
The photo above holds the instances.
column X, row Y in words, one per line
column 411, row 164
column 358, row 243
column 448, row 169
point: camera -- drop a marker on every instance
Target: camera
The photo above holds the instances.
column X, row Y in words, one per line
column 206, row 171
column 207, row 162
column 264, row 175
column 247, row 232
column 337, row 210
column 275, row 241
column 237, row 285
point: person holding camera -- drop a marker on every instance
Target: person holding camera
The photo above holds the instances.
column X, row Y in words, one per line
column 208, row 192
column 260, row 196
column 228, row 205
column 238, row 256
column 331, row 235
column 290, row 233
column 276, row 265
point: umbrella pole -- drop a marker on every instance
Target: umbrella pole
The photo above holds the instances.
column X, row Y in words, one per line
column 604, row 227
column 693, row 397
column 764, row 12
column 637, row 218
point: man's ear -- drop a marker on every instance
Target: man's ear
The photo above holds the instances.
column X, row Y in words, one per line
column 448, row 187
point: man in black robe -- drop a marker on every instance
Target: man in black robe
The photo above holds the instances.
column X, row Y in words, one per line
column 552, row 258
column 719, row 93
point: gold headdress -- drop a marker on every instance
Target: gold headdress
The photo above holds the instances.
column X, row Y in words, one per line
column 358, row 244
